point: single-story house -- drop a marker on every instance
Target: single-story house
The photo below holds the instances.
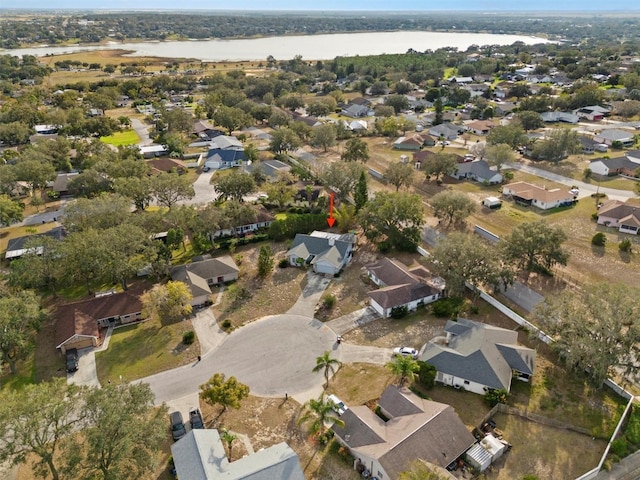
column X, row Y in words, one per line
column 401, row 287
column 528, row 194
column 445, row 130
column 167, row 164
column 479, row 171
column 357, row 111
column 479, row 357
column 505, row 108
column 326, row 252
column 95, row 112
column 414, row 142
column 78, row 324
column 61, row 183
column 263, row 219
column 461, row 80
column 356, row 125
column 593, row 113
column 408, row 427
column 563, row 117
column 225, row 142
column 205, row 131
column 609, row 136
column 203, row 272
column 46, row 129
column 480, row 127
column 150, row 151
column 16, row 247
column 218, row 158
column 624, row 165
column 200, row 455
column 620, row 215
column 590, row 146
column 270, row 168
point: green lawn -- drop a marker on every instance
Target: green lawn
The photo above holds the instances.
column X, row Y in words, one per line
column 126, row 137
column 144, row 349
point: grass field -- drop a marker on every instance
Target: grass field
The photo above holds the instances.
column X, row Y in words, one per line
column 143, row 349
column 126, row 137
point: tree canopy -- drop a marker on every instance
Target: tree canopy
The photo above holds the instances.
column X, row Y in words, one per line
column 534, row 245
column 452, row 206
column 225, row 392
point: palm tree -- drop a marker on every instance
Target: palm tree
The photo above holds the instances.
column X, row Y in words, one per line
column 328, row 364
column 228, row 437
column 320, row 411
column 404, row 367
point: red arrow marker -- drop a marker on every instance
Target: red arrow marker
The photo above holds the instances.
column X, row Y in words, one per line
column 331, row 220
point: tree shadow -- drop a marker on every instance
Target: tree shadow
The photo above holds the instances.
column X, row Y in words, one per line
column 597, row 251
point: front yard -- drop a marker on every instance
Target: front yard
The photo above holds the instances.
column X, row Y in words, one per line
column 149, row 347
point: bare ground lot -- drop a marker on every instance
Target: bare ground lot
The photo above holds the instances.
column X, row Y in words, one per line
column 549, row 453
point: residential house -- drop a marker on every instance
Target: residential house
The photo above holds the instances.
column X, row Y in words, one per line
column 46, row 129
column 226, row 142
column 200, row 455
column 562, row 117
column 205, row 131
column 150, row 151
column 528, row 194
column 479, row 171
column 61, row 183
column 590, row 146
column 445, row 130
column 218, row 159
column 607, row 167
column 402, row 287
column 408, row 427
column 479, row 127
column 357, row 111
column 308, row 119
column 615, row 135
column 477, row 89
column 479, row 357
column 78, row 324
column 593, row 113
column 505, row 108
column 272, row 169
column 461, row 80
column 413, row 142
column 326, row 252
column 203, row 272
column 16, row 247
column 95, row 112
column 262, row 220
column 167, row 165
column 623, row 216
column 356, row 125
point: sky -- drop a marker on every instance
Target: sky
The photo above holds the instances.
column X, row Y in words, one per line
column 329, row 5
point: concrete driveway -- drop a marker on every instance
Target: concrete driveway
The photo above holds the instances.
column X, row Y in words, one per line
column 142, row 130
column 87, row 373
column 203, row 189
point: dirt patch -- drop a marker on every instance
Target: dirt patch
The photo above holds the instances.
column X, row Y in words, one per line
column 267, row 421
column 251, row 297
column 543, row 451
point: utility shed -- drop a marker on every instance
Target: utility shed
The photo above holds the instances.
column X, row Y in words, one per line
column 486, row 451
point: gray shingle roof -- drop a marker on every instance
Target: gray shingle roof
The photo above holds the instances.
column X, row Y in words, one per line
column 479, row 168
column 196, row 274
column 304, row 246
column 480, row 353
column 618, row 162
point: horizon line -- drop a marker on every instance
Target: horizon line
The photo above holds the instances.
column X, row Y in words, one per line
column 311, row 10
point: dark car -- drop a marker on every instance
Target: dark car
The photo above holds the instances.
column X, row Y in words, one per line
column 195, row 418
column 72, row 360
column 178, row 429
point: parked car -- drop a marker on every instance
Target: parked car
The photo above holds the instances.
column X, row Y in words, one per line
column 178, row 430
column 405, row 352
column 195, row 419
column 338, row 405
column 72, row 360
column 574, row 191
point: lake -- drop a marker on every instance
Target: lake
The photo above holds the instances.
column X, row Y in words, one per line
column 311, row 47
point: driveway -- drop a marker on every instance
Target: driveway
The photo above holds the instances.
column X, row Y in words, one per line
column 586, row 189
column 142, row 130
column 87, row 373
column 203, row 189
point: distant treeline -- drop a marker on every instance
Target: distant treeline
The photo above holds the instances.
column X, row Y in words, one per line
column 90, row 28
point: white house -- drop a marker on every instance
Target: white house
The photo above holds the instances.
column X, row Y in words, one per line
column 479, row 171
column 326, row 252
column 479, row 357
column 620, row 215
column 528, row 194
column 625, row 165
column 401, row 287
column 610, row 136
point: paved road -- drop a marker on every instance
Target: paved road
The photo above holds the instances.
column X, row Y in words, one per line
column 586, row 189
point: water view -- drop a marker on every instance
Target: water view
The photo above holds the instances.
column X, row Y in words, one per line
column 316, row 47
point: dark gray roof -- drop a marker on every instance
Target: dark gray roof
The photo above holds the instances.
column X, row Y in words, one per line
column 396, row 404
column 195, row 274
column 615, row 134
column 618, row 162
column 356, row 431
column 479, row 168
column 473, row 354
column 318, row 245
column 18, row 243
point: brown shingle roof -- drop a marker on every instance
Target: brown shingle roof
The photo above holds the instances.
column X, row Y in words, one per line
column 533, row 192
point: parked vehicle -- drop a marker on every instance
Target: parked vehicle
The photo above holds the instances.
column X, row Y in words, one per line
column 178, row 430
column 338, row 405
column 195, row 419
column 405, row 352
column 72, row 360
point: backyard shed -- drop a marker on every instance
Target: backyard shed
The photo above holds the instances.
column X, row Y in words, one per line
column 486, row 451
column 492, row 202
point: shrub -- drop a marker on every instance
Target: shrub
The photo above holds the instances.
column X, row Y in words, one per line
column 625, row 245
column 494, row 397
column 188, row 337
column 620, row 447
column 599, row 239
column 399, row 312
column 328, row 301
column 226, row 324
column 632, row 431
column 283, row 263
column 426, row 374
column 447, row 307
column 384, row 246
